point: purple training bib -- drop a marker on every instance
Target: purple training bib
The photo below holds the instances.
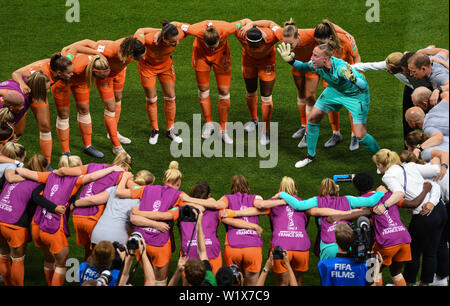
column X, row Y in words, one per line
column 241, row 237
column 289, row 228
column 157, row 198
column 14, row 199
column 58, row 190
column 96, row 187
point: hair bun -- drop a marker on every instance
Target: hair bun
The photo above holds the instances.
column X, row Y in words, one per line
column 173, row 165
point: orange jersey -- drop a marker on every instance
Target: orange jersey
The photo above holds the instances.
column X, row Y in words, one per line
column 110, row 50
column 198, row 30
column 264, row 53
column 158, row 55
column 80, row 61
column 347, row 52
column 44, row 66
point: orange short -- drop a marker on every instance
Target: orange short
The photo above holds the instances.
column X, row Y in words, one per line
column 221, row 63
column 148, row 75
column 397, row 253
column 247, row 259
column 108, row 86
column 265, row 71
column 222, row 79
column 55, row 242
column 84, row 225
column 299, row 261
column 15, row 236
column 61, row 94
column 160, row 256
column 216, row 263
column 308, row 75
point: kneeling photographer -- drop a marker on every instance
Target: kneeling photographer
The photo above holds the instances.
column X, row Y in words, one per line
column 103, row 265
column 351, row 267
column 135, row 245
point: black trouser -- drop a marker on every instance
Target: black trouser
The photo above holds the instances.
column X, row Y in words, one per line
column 426, row 233
column 407, row 103
column 442, row 255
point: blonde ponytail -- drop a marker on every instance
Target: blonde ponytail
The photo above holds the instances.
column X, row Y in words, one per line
column 97, row 63
column 69, row 161
column 38, row 85
column 144, row 177
column 122, row 159
column 328, row 187
column 386, row 158
column 172, row 175
column 13, row 150
column 288, row 185
column 37, row 163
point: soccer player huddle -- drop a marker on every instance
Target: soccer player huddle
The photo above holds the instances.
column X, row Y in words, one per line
column 106, row 200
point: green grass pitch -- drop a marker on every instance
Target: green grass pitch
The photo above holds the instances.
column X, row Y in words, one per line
column 33, row 30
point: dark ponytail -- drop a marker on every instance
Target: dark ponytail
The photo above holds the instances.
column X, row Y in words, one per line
column 168, row 30
column 59, row 62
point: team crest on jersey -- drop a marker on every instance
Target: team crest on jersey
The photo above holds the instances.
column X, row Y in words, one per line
column 156, row 205
column 54, row 190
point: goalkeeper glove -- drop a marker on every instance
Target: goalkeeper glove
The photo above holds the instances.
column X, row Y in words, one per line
column 285, row 52
column 348, row 74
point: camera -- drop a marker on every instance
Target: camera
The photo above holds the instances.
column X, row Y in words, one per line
column 277, row 252
column 361, row 249
column 133, row 242
column 104, row 278
column 236, row 275
column 118, row 246
column 187, row 213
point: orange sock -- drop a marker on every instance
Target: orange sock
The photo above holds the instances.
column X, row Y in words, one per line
column 63, row 137
column 224, row 109
column 266, row 110
column 152, row 112
column 85, row 125
column 46, row 142
column 170, row 109
column 399, row 280
column 48, row 272
column 333, row 116
column 302, row 111
column 351, row 121
column 400, row 283
column 205, row 105
column 118, row 110
column 111, row 127
column 252, row 104
column 17, row 271
column 5, row 270
column 59, row 276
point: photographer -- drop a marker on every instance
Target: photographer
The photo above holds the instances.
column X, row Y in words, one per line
column 345, row 270
column 99, row 265
column 134, row 245
column 197, row 271
column 275, row 255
